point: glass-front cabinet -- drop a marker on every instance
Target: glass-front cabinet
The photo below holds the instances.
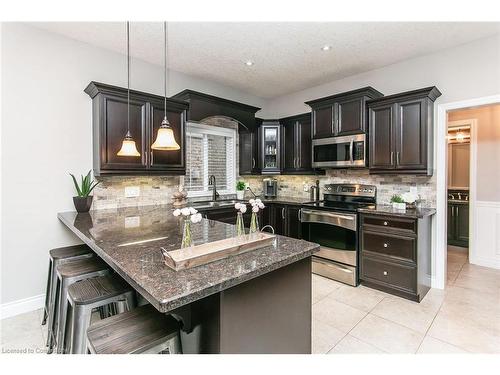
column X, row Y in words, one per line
column 270, row 150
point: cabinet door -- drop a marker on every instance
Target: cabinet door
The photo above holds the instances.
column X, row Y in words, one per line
column 323, row 120
column 278, row 213
column 270, row 149
column 246, row 151
column 289, row 149
column 381, row 136
column 114, row 128
column 411, row 135
column 350, row 116
column 303, row 144
column 451, row 224
column 166, row 160
column 462, row 227
column 293, row 222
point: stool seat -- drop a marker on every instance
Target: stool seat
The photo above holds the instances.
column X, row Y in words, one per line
column 135, row 331
column 70, row 251
column 97, row 289
column 81, row 267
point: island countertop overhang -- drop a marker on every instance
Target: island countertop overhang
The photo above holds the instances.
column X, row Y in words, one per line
column 129, row 240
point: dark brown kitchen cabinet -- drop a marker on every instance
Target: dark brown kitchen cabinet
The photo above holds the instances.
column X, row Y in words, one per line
column 109, row 118
column 284, row 218
column 270, row 147
column 296, row 148
column 248, row 151
column 293, row 224
column 458, row 224
column 400, row 131
column 341, row 114
column 278, row 218
column 395, row 254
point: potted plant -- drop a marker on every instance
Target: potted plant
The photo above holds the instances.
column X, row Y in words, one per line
column 397, row 202
column 83, row 200
column 240, row 189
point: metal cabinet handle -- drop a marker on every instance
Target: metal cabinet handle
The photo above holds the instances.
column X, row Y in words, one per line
column 397, row 158
column 152, row 162
column 385, row 273
column 392, row 157
column 385, row 245
column 283, row 212
column 253, row 162
column 385, row 223
column 299, row 215
column 351, row 151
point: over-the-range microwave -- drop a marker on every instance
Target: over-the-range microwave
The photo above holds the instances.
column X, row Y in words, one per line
column 339, row 152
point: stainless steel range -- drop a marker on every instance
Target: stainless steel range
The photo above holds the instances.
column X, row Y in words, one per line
column 333, row 224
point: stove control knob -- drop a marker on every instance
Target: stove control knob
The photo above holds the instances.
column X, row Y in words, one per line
column 385, row 273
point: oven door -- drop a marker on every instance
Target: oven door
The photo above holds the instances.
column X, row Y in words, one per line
column 348, row 151
column 335, row 232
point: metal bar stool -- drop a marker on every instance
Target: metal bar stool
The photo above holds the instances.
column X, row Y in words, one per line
column 68, row 274
column 56, row 257
column 86, row 295
column 142, row 330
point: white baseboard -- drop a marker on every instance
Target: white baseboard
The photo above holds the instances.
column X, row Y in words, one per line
column 22, row 306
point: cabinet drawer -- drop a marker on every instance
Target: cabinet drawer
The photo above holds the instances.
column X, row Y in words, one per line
column 384, row 222
column 389, row 245
column 389, row 274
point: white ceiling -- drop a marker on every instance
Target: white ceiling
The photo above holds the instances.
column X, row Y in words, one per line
column 287, row 55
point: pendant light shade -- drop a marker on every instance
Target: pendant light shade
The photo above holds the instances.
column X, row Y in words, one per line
column 128, row 145
column 165, row 140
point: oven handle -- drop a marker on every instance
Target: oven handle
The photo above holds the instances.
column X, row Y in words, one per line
column 330, row 218
column 351, row 151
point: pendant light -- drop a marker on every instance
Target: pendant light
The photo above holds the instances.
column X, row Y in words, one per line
column 165, row 139
column 128, row 145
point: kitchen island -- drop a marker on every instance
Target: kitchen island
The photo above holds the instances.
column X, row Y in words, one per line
column 256, row 302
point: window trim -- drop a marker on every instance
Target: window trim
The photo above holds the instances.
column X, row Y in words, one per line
column 196, row 128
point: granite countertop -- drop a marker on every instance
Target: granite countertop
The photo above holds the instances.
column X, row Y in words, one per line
column 413, row 213
column 285, row 199
column 129, row 240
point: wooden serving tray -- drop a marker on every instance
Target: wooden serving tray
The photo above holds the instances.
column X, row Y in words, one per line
column 210, row 252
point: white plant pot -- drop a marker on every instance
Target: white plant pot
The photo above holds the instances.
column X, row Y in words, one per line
column 399, row 206
column 240, row 194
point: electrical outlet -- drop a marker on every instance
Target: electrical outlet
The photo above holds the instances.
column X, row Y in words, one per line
column 305, row 187
column 132, row 221
column 132, row 191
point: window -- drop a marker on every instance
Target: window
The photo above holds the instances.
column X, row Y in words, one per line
column 210, row 150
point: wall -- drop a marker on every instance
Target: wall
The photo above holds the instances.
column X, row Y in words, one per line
column 467, row 71
column 488, row 148
column 46, row 133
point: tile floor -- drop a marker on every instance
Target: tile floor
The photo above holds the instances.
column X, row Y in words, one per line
column 465, row 317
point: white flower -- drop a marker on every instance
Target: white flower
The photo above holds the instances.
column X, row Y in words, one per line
column 177, row 212
column 196, row 218
column 192, row 211
column 251, row 201
column 255, row 209
column 409, row 197
column 261, row 205
column 237, row 206
column 258, row 201
column 185, row 211
column 243, row 209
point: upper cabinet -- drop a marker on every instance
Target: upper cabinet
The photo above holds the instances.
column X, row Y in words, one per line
column 270, row 147
column 401, row 132
column 249, row 150
column 341, row 114
column 109, row 118
column 296, row 148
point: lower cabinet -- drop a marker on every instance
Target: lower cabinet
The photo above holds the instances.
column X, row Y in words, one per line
column 284, row 218
column 227, row 215
column 458, row 224
column 396, row 254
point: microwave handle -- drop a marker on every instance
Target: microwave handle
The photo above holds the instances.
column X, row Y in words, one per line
column 351, row 150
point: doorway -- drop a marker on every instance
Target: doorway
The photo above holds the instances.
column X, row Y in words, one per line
column 478, row 119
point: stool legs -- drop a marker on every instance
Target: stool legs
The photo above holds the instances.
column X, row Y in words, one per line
column 80, row 323
column 47, row 293
column 61, row 316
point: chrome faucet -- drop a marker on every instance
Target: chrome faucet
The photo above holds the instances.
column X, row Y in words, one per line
column 212, row 182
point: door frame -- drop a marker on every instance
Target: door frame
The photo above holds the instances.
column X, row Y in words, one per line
column 472, row 123
column 441, row 157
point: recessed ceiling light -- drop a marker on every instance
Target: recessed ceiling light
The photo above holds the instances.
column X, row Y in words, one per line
column 249, row 63
column 326, row 48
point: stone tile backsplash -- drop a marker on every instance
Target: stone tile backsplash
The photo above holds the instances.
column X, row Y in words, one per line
column 110, row 193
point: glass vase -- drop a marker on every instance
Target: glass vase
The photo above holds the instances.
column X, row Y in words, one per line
column 254, row 223
column 187, row 240
column 240, row 226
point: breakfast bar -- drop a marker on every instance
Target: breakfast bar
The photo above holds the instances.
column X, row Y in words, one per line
column 255, row 302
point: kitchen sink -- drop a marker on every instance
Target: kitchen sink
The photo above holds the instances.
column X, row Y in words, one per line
column 215, row 204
